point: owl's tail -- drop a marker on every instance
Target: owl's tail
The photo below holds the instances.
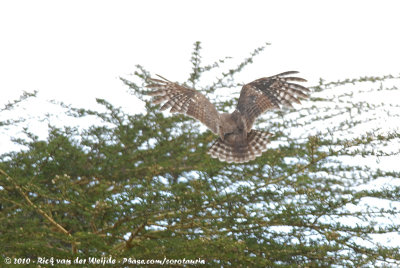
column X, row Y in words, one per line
column 240, row 153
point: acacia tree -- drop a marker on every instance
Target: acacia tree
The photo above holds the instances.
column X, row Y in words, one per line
column 142, row 185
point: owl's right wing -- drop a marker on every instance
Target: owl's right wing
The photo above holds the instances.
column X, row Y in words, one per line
column 184, row 100
column 269, row 93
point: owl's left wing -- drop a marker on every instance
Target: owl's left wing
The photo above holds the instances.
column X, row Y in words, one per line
column 269, row 93
column 182, row 99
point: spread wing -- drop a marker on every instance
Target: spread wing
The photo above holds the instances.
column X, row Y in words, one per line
column 269, row 93
column 184, row 100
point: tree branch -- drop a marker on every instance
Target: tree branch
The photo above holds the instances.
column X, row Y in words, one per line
column 39, row 210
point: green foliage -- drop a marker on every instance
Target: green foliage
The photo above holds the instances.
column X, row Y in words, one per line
column 11, row 105
column 142, row 186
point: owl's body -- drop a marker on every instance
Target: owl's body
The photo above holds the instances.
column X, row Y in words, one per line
column 237, row 141
column 231, row 124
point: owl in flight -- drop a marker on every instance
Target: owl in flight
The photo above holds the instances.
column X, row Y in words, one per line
column 237, row 141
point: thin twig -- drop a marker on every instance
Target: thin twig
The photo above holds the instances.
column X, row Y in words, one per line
column 40, row 211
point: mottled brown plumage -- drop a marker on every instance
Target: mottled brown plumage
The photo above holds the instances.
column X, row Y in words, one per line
column 237, row 142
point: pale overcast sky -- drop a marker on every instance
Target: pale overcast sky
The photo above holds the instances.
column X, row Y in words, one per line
column 75, row 51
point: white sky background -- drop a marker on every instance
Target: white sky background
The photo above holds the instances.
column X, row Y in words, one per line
column 75, row 51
